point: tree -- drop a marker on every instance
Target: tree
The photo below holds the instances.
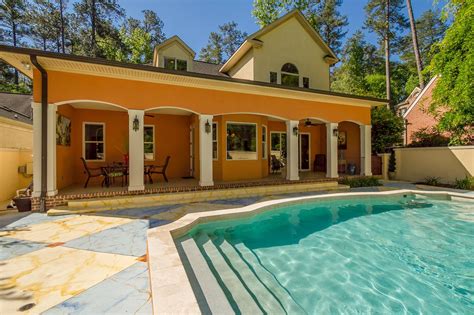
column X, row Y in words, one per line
column 387, row 129
column 454, row 91
column 98, row 18
column 323, row 15
column 13, row 23
column 153, row 25
column 384, row 19
column 416, row 50
column 223, row 43
column 44, row 19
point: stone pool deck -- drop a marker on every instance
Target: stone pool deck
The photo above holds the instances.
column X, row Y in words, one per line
column 94, row 263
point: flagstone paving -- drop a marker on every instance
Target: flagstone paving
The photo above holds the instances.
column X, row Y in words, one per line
column 91, row 264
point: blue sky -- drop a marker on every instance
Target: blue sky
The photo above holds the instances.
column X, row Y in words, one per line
column 193, row 20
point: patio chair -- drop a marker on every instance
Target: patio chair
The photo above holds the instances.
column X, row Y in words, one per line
column 275, row 164
column 159, row 169
column 112, row 172
column 92, row 172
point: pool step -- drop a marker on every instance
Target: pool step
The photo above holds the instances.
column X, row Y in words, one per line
column 264, row 297
column 243, row 300
column 269, row 280
column 212, row 291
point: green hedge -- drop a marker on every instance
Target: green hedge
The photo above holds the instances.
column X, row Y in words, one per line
column 355, row 182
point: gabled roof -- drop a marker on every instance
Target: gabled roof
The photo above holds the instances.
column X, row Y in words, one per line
column 171, row 40
column 253, row 40
column 420, row 96
column 16, row 107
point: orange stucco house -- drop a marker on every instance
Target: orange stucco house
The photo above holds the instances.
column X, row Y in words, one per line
column 218, row 123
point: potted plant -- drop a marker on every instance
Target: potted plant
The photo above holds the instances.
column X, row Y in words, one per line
column 392, row 165
column 22, row 203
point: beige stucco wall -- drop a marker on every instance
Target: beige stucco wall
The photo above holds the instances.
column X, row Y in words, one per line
column 290, row 42
column 244, row 69
column 447, row 163
column 175, row 50
column 16, row 141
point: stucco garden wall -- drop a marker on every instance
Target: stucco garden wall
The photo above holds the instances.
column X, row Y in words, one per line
column 447, row 163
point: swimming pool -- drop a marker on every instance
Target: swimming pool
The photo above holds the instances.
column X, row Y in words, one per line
column 392, row 254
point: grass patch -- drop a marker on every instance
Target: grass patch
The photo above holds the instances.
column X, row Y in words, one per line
column 355, row 182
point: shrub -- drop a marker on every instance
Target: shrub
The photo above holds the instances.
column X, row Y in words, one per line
column 466, row 183
column 387, row 129
column 360, row 182
column 392, row 162
column 432, row 180
column 428, row 137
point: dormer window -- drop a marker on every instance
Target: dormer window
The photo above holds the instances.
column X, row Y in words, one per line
column 289, row 75
column 176, row 64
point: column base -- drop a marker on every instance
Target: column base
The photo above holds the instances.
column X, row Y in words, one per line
column 293, row 178
column 366, row 174
column 136, row 188
column 332, row 175
column 204, row 183
column 51, row 193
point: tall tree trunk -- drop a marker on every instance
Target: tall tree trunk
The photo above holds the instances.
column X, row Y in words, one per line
column 387, row 50
column 93, row 28
column 414, row 37
column 44, row 43
column 61, row 11
column 14, row 45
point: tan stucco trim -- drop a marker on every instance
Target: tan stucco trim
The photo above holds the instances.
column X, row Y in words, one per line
column 15, row 123
column 170, row 41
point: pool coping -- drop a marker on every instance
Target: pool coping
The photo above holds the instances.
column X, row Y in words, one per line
column 171, row 290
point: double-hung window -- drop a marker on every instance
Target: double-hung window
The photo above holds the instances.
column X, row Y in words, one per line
column 94, row 141
column 214, row 141
column 176, row 64
column 149, row 142
column 264, row 142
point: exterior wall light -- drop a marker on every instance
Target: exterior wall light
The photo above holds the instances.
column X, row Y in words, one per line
column 295, row 131
column 207, row 127
column 136, row 123
column 26, row 65
column 335, row 132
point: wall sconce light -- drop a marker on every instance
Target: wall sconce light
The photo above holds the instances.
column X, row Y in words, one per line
column 207, row 127
column 136, row 123
column 295, row 131
column 335, row 132
column 26, row 65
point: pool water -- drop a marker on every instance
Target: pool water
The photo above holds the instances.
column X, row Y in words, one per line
column 404, row 254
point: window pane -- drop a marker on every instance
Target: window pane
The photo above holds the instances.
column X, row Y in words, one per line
column 148, row 133
column 170, row 63
column 273, row 77
column 306, row 83
column 214, row 132
column 94, row 132
column 290, row 68
column 149, row 151
column 181, row 65
column 241, row 142
column 275, row 142
column 289, row 79
column 94, row 151
column 214, row 150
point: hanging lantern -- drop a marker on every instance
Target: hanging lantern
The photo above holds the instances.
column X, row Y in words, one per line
column 136, row 123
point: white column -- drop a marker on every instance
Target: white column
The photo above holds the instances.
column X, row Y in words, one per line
column 135, row 151
column 365, row 150
column 205, row 151
column 331, row 150
column 51, row 131
column 36, row 149
column 292, row 172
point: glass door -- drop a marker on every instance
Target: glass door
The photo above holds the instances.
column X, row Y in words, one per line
column 304, row 152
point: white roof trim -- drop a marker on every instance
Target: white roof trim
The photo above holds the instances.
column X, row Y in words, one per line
column 420, row 95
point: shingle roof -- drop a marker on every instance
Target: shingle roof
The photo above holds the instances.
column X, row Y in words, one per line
column 16, row 107
column 207, row 68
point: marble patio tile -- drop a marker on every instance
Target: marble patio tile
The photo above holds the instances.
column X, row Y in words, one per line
column 178, row 212
column 50, row 276
column 33, row 218
column 10, row 247
column 125, row 292
column 126, row 239
column 66, row 229
column 141, row 213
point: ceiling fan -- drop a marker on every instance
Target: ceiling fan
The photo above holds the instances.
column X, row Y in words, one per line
column 309, row 123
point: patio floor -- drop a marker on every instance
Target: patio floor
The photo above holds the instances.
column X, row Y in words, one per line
column 91, row 264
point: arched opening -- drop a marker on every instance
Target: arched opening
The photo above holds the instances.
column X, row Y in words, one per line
column 348, row 147
column 290, row 75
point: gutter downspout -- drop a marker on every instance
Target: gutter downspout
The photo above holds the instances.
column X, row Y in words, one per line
column 44, row 134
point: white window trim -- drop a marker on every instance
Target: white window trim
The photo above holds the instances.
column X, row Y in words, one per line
column 84, row 139
column 154, row 146
column 216, row 141
column 256, row 140
column 309, row 151
column 175, row 62
column 265, row 147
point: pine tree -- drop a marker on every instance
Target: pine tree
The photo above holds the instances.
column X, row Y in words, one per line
column 214, row 50
column 13, row 24
column 384, row 18
column 416, row 50
column 223, row 43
